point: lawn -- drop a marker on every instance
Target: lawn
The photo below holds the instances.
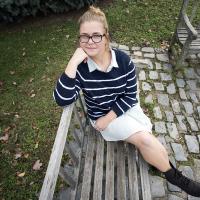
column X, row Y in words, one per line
column 32, row 56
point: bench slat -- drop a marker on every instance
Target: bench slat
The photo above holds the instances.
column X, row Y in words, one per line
column 132, row 173
column 145, row 185
column 109, row 191
column 87, row 173
column 98, row 176
column 121, row 176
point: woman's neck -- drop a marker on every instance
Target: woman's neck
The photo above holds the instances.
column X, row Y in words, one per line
column 104, row 60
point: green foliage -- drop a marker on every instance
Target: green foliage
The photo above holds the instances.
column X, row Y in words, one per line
column 15, row 10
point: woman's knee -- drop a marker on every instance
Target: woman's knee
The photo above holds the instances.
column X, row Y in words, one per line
column 141, row 139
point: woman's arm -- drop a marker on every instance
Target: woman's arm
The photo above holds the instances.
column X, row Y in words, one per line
column 68, row 86
column 128, row 99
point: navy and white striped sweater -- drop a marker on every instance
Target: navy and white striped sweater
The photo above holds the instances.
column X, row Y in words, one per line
column 103, row 91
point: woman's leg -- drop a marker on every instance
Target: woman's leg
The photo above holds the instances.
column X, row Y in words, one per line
column 151, row 149
column 155, row 154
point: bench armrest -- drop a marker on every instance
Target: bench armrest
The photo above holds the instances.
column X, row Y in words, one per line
column 190, row 29
column 56, row 155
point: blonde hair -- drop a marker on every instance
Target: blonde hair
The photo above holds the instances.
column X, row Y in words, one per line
column 94, row 14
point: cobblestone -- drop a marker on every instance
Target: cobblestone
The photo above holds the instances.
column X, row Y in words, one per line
column 182, row 94
column 146, row 86
column 153, row 75
column 158, row 66
column 180, row 83
column 165, row 77
column 137, row 53
column 181, row 123
column 148, row 49
column 157, row 112
column 162, row 57
column 167, row 67
column 159, row 86
column 149, row 99
column 169, row 116
column 188, row 107
column 192, row 84
column 189, row 73
column 142, row 75
column 193, row 97
column 171, row 88
column 192, row 143
column 175, row 106
column 149, row 55
column 173, row 188
column 135, row 48
column 192, row 123
column 179, row 152
column 124, row 47
column 157, row 186
column 160, row 127
column 173, row 132
column 163, row 99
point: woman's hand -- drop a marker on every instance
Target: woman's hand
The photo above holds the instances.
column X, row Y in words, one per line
column 78, row 56
column 102, row 123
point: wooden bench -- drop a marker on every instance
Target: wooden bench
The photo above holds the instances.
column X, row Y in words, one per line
column 186, row 38
column 98, row 169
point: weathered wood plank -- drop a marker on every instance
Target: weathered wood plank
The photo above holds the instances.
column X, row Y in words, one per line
column 121, row 176
column 87, row 173
column 132, row 173
column 110, row 162
column 49, row 183
column 98, row 176
column 67, row 174
column 144, row 177
column 74, row 151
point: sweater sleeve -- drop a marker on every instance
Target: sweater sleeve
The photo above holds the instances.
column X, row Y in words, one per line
column 128, row 99
column 66, row 90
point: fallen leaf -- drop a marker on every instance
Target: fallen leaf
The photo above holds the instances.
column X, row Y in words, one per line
column 31, row 183
column 12, row 72
column 20, row 174
column 17, row 116
column 4, row 138
column 36, row 145
column 18, row 155
column 37, row 165
column 7, row 129
column 32, row 95
column 26, row 155
column 31, row 80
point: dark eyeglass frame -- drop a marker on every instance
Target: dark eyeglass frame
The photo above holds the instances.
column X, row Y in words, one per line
column 91, row 37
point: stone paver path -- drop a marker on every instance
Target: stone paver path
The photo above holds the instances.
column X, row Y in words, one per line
column 175, row 97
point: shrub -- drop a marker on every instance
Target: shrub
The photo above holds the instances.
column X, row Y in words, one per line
column 15, row 10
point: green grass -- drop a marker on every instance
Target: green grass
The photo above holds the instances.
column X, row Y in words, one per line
column 38, row 54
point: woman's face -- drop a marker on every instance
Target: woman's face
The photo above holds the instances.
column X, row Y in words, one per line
column 96, row 45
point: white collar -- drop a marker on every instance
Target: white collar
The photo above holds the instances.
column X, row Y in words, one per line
column 93, row 66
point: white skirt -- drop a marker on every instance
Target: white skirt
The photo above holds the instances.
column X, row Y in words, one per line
column 131, row 122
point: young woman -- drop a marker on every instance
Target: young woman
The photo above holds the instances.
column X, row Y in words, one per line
column 108, row 80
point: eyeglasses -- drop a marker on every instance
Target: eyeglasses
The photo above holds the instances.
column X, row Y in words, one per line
column 95, row 38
